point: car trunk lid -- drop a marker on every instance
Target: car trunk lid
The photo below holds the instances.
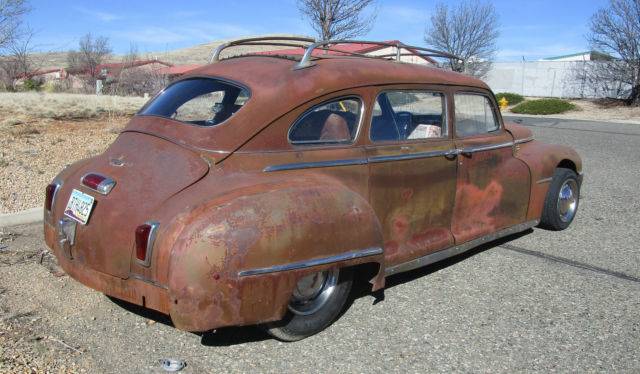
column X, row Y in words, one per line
column 147, row 170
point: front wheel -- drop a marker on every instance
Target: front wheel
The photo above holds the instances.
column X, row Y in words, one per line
column 561, row 203
column 315, row 303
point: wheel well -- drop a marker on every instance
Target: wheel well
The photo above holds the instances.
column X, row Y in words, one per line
column 364, row 273
column 568, row 164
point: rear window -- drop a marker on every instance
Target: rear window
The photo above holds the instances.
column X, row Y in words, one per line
column 198, row 101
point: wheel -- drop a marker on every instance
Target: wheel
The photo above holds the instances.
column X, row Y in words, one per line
column 315, row 303
column 561, row 203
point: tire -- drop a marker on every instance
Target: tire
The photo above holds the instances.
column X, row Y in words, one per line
column 303, row 319
column 562, row 200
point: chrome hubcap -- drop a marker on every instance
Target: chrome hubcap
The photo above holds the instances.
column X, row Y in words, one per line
column 313, row 291
column 568, row 200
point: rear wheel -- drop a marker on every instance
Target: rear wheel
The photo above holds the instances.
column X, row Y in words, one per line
column 315, row 303
column 561, row 203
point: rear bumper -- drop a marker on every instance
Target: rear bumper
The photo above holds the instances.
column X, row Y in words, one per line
column 135, row 291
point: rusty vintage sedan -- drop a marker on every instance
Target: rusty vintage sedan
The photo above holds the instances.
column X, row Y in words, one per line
column 259, row 188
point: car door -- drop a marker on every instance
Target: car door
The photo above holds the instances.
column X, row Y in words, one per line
column 493, row 186
column 412, row 172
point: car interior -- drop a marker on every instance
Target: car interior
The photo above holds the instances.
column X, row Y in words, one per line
column 328, row 124
column 390, row 125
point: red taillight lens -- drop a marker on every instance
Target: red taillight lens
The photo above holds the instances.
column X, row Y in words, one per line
column 145, row 236
column 93, row 180
column 98, row 183
column 50, row 193
column 142, row 240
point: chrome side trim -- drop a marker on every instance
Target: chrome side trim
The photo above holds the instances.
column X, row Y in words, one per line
column 545, row 180
column 410, row 156
column 315, row 262
column 482, row 148
column 458, row 249
column 150, row 242
column 525, row 140
column 316, row 164
column 153, row 283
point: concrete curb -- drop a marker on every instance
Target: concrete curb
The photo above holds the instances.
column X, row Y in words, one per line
column 22, row 218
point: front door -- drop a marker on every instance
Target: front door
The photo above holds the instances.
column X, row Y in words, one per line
column 412, row 172
column 493, row 186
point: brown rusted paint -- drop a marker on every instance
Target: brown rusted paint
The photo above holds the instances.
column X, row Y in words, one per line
column 220, row 213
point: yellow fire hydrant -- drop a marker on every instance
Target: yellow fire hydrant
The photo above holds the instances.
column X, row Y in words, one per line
column 504, row 103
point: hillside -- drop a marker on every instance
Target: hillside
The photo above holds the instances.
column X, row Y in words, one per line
column 198, row 54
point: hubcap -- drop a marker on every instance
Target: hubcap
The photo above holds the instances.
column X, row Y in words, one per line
column 313, row 291
column 568, row 200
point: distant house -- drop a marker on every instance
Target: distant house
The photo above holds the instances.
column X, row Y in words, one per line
column 581, row 56
column 409, row 55
column 110, row 71
column 176, row 71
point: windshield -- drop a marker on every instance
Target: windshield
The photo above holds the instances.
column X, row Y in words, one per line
column 198, row 101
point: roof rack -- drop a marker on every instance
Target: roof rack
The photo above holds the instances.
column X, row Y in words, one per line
column 309, row 45
column 278, row 41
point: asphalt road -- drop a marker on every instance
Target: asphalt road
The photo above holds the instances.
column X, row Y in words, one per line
column 543, row 301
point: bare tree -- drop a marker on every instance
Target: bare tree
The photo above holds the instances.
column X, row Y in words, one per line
column 469, row 31
column 338, row 19
column 615, row 30
column 91, row 53
column 19, row 61
column 11, row 12
column 136, row 80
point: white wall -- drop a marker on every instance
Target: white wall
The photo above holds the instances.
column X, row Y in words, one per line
column 539, row 78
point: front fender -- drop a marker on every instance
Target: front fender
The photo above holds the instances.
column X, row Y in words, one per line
column 288, row 223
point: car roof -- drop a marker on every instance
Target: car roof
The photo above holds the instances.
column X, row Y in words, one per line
column 274, row 75
column 276, row 88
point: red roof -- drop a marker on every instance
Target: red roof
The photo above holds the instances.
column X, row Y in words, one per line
column 177, row 69
column 361, row 48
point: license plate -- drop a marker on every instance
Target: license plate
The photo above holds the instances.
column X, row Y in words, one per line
column 79, row 206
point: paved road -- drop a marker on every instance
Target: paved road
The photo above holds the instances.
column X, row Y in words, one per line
column 543, row 301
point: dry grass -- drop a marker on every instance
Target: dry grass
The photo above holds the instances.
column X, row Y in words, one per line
column 16, row 106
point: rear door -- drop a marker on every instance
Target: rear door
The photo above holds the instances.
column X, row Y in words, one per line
column 493, row 186
column 412, row 183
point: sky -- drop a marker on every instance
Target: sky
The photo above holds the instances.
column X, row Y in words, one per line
column 529, row 29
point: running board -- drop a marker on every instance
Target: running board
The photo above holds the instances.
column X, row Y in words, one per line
column 458, row 249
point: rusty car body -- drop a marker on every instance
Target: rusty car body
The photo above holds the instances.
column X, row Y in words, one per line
column 307, row 166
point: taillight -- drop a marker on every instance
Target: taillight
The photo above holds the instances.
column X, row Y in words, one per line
column 50, row 194
column 98, row 182
column 145, row 236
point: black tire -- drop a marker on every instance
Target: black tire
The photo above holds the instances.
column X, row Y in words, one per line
column 553, row 217
column 294, row 327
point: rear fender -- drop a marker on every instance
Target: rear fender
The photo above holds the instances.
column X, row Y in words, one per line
column 279, row 225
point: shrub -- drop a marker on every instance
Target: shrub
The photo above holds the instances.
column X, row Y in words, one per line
column 32, row 85
column 543, row 106
column 512, row 98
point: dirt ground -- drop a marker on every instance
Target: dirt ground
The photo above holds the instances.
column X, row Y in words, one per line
column 33, row 151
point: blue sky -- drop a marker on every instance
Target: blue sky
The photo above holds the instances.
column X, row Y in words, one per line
column 530, row 29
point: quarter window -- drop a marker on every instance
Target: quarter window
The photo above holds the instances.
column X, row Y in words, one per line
column 408, row 115
column 474, row 115
column 333, row 122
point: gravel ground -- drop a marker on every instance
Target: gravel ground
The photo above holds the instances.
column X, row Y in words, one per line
column 32, row 153
column 539, row 302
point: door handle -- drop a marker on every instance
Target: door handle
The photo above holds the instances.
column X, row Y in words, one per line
column 451, row 154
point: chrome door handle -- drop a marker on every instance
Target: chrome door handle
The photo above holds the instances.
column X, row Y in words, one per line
column 452, row 154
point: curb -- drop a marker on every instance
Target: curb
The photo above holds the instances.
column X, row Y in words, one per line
column 21, row 218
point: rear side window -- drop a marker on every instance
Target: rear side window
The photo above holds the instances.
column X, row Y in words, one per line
column 474, row 115
column 408, row 115
column 198, row 101
column 335, row 121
